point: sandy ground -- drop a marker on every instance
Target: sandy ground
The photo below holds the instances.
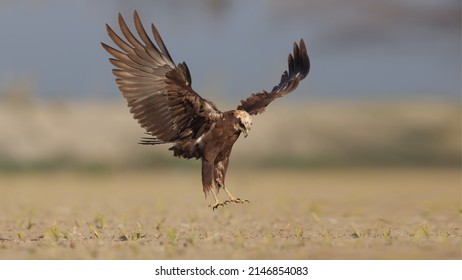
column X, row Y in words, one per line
column 303, row 214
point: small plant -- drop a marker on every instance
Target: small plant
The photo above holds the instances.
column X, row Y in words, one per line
column 138, row 234
column 387, row 234
column 356, row 233
column 133, row 236
column 99, row 221
column 425, row 230
column 93, row 230
column 171, row 235
column 443, row 236
column 123, row 235
column 326, row 238
column 269, row 236
column 67, row 235
column 298, row 233
column 160, row 223
column 29, row 223
column 53, row 232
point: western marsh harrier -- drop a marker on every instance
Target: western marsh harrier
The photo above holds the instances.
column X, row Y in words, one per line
column 161, row 99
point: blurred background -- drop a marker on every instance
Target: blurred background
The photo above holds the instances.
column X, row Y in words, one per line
column 384, row 88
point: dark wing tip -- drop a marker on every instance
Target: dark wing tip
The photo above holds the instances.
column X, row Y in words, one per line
column 298, row 68
column 120, row 19
column 107, row 47
column 136, row 18
column 160, row 42
column 296, row 58
column 305, row 60
column 109, row 29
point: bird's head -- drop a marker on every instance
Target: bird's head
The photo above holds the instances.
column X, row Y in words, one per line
column 242, row 122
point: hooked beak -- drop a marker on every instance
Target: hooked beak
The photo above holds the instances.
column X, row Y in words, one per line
column 246, row 132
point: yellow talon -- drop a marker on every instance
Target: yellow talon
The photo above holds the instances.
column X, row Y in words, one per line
column 237, row 200
column 215, row 206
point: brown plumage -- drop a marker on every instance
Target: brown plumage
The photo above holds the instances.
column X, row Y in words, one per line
column 161, row 99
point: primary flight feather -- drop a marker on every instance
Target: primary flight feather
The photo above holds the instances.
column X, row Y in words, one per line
column 161, row 99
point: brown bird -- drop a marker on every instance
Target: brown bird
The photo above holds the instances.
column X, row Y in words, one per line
column 161, row 99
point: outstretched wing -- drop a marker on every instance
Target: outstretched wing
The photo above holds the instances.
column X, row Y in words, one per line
column 299, row 66
column 158, row 92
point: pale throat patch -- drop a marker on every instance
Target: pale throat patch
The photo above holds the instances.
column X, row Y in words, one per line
column 244, row 117
column 245, row 122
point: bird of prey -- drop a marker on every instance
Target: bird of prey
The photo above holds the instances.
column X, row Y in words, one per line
column 161, row 99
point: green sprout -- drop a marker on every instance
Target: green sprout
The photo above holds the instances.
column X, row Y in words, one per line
column 93, row 230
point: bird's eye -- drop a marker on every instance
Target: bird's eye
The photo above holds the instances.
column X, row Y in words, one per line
column 241, row 124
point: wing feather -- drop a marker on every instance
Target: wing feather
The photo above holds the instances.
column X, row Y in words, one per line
column 298, row 68
column 157, row 91
column 151, row 49
column 160, row 42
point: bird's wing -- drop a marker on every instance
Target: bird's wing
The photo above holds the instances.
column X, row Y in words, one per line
column 158, row 92
column 299, row 66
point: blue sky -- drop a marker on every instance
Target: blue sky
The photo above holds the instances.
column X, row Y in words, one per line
column 233, row 48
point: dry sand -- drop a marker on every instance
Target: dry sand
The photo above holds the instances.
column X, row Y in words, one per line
column 302, row 214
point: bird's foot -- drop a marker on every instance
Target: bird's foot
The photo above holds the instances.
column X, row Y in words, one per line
column 217, row 204
column 236, row 200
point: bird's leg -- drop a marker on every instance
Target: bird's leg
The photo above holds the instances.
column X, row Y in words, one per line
column 207, row 183
column 219, row 175
column 232, row 198
column 217, row 202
